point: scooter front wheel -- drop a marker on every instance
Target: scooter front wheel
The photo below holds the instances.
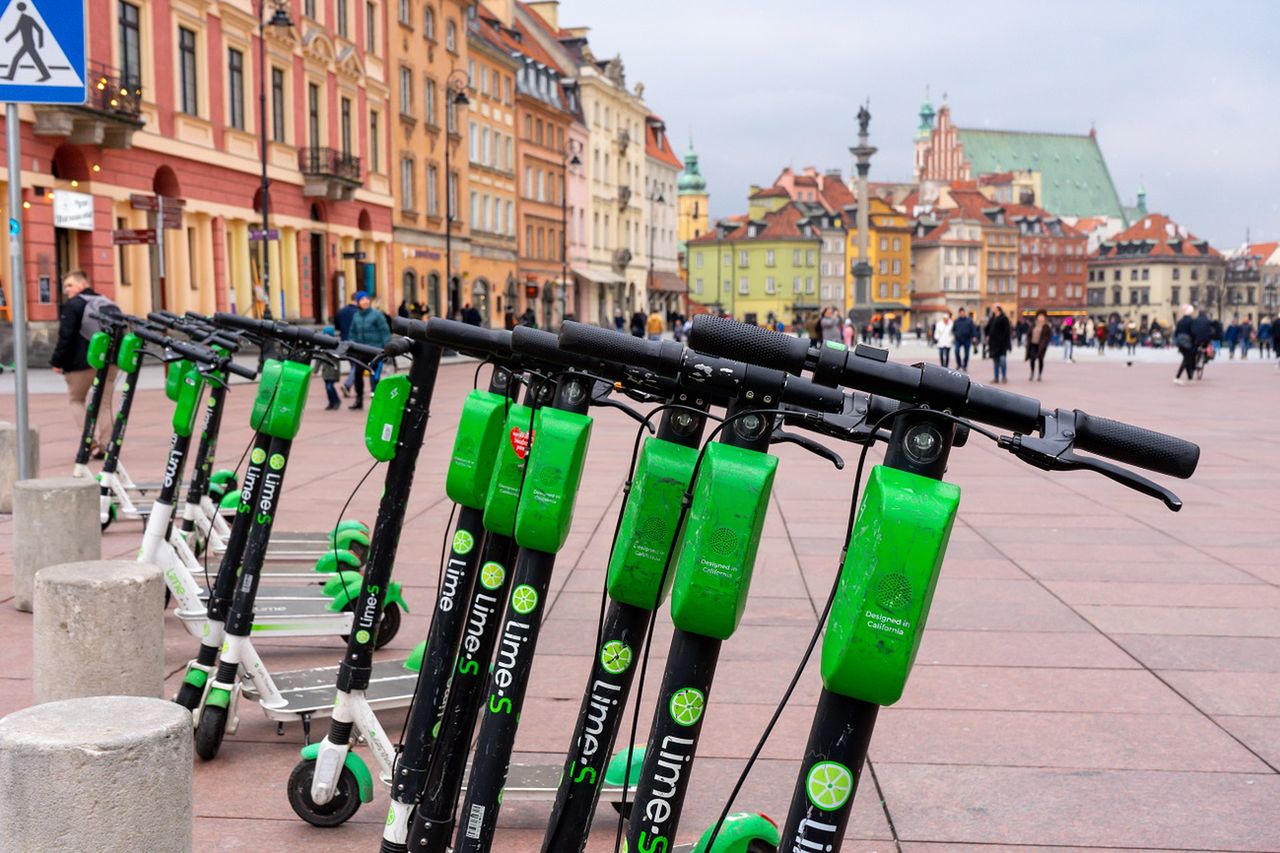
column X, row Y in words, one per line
column 209, row 734
column 345, row 801
column 111, row 516
column 189, row 696
column 388, row 626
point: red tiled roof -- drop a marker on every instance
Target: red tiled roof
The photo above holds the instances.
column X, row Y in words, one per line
column 1089, row 223
column 806, row 181
column 1263, row 250
column 659, row 149
column 1156, row 227
column 781, row 224
column 771, row 192
column 836, row 196
column 1031, row 211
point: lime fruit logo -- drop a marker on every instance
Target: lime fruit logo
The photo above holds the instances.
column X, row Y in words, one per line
column 524, row 599
column 686, row 705
column 362, row 636
column 259, row 456
column 492, row 575
column 463, row 542
column 391, row 816
column 277, row 461
column 829, row 785
column 615, row 657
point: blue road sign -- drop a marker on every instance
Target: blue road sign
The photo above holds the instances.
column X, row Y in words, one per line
column 42, row 52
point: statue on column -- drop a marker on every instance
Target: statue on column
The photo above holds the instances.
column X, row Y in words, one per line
column 864, row 119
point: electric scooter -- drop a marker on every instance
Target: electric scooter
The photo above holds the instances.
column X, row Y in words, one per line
column 104, row 349
column 880, row 604
column 276, row 419
column 328, row 785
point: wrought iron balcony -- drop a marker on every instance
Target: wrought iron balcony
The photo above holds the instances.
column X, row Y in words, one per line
column 621, row 259
column 624, row 197
column 329, row 173
column 624, row 140
column 108, row 117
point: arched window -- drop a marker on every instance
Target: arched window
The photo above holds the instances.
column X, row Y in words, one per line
column 428, row 23
column 410, row 288
column 451, row 37
column 480, row 299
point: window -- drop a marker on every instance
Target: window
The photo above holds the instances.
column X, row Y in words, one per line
column 235, row 88
column 473, row 141
column 406, row 184
column 770, row 286
column 884, row 267
column 795, row 285
column 130, row 45
column 404, row 12
column 1195, row 274
column 342, row 17
column 428, row 23
column 884, row 244
column 277, row 104
column 451, row 194
column 897, row 266
column 697, row 285
column 451, row 37
column 309, row 9
column 697, row 260
column 429, row 101
column 1146, row 274
column 743, row 287
column 450, row 113
column 768, row 258
column 808, row 257
column 506, row 91
column 897, row 247
column 1133, row 274
column 375, row 143
column 1176, row 293
column 187, row 66
column 433, row 191
column 1116, row 276
column 406, row 91
column 313, row 115
column 344, row 116
column 795, row 257
column 371, row 27
column 808, row 284
column 1053, row 291
column 742, row 257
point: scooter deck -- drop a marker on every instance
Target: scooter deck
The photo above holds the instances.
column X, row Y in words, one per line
column 301, row 596
column 310, row 692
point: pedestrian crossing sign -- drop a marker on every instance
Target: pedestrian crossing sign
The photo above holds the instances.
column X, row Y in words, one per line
column 42, row 52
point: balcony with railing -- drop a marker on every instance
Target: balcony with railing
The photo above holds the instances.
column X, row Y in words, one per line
column 108, row 117
column 328, row 173
column 624, row 197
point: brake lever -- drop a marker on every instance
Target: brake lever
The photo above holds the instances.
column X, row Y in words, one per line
column 1053, row 452
column 600, row 392
column 781, row 436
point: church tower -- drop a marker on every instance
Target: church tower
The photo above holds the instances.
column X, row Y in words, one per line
column 923, row 134
column 691, row 211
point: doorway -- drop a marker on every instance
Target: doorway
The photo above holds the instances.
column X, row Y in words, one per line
column 64, row 259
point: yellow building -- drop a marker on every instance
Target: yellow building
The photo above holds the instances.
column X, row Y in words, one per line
column 691, row 211
column 889, row 253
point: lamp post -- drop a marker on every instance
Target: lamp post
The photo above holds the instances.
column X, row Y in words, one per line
column 655, row 198
column 279, row 18
column 571, row 150
column 455, row 96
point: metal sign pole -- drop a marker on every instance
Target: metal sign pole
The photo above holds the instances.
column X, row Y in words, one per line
column 18, row 277
column 160, row 252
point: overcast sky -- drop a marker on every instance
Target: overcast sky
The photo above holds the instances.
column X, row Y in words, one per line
column 1185, row 95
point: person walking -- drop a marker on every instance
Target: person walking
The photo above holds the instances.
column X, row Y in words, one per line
column 1246, row 336
column 1068, row 338
column 829, row 326
column 77, row 323
column 619, row 321
column 327, row 366
column 655, row 327
column 1265, row 328
column 943, row 339
column 470, row 315
column 1131, row 337
column 343, row 321
column 962, row 331
column 1184, row 338
column 1232, row 335
column 638, row 323
column 999, row 342
column 1038, row 344
column 368, row 327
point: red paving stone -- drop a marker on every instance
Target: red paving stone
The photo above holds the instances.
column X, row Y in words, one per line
column 1098, row 672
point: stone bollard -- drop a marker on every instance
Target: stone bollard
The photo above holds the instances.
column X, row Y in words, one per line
column 55, row 520
column 98, row 630
column 9, row 460
column 101, row 773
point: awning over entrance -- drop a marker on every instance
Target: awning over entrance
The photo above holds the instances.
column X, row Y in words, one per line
column 598, row 276
column 667, row 282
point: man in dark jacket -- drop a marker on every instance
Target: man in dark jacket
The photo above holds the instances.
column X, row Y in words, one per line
column 470, row 315
column 962, row 330
column 999, row 342
column 369, row 326
column 343, row 321
column 76, row 324
column 638, row 322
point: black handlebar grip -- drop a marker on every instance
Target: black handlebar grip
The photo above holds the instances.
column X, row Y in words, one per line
column 348, row 349
column 475, row 340
column 241, row 370
column 409, row 328
column 164, row 318
column 541, row 346
column 224, row 318
column 151, row 336
column 398, row 345
column 727, row 338
column 1133, row 445
column 609, row 345
column 810, row 395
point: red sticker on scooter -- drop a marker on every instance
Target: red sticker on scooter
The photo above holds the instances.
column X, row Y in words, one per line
column 520, row 442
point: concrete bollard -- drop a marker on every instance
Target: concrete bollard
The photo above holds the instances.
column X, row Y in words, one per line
column 9, row 460
column 98, row 630
column 102, row 773
column 55, row 520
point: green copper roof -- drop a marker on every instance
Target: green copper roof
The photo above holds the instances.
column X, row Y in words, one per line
column 1074, row 177
column 691, row 180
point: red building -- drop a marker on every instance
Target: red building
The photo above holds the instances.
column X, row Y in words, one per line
column 1053, row 261
column 173, row 111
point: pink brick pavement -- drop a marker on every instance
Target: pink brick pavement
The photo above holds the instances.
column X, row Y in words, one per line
column 1097, row 673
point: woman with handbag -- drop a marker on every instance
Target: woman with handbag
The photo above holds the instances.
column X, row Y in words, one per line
column 1184, row 340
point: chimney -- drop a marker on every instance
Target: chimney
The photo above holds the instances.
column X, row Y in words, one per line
column 548, row 10
column 1027, row 196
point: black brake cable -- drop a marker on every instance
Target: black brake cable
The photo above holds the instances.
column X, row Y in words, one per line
column 826, row 607
column 685, row 504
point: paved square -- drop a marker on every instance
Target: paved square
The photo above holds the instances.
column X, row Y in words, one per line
column 1097, row 673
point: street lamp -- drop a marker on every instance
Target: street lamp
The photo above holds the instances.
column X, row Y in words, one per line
column 280, row 20
column 571, row 150
column 455, row 96
column 655, row 198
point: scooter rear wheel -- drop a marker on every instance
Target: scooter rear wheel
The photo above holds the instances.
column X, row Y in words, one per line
column 209, row 734
column 388, row 626
column 345, row 802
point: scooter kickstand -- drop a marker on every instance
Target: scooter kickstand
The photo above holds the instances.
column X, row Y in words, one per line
column 279, row 729
column 306, row 729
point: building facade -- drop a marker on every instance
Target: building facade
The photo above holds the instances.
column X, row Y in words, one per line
column 428, row 43
column 692, row 216
column 1052, row 261
column 666, row 290
column 1146, row 272
column 172, row 112
column 888, row 252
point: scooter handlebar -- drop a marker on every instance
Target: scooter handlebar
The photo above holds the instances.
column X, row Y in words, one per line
column 473, row 340
column 1135, row 445
column 608, row 345
column 540, row 346
column 727, row 338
